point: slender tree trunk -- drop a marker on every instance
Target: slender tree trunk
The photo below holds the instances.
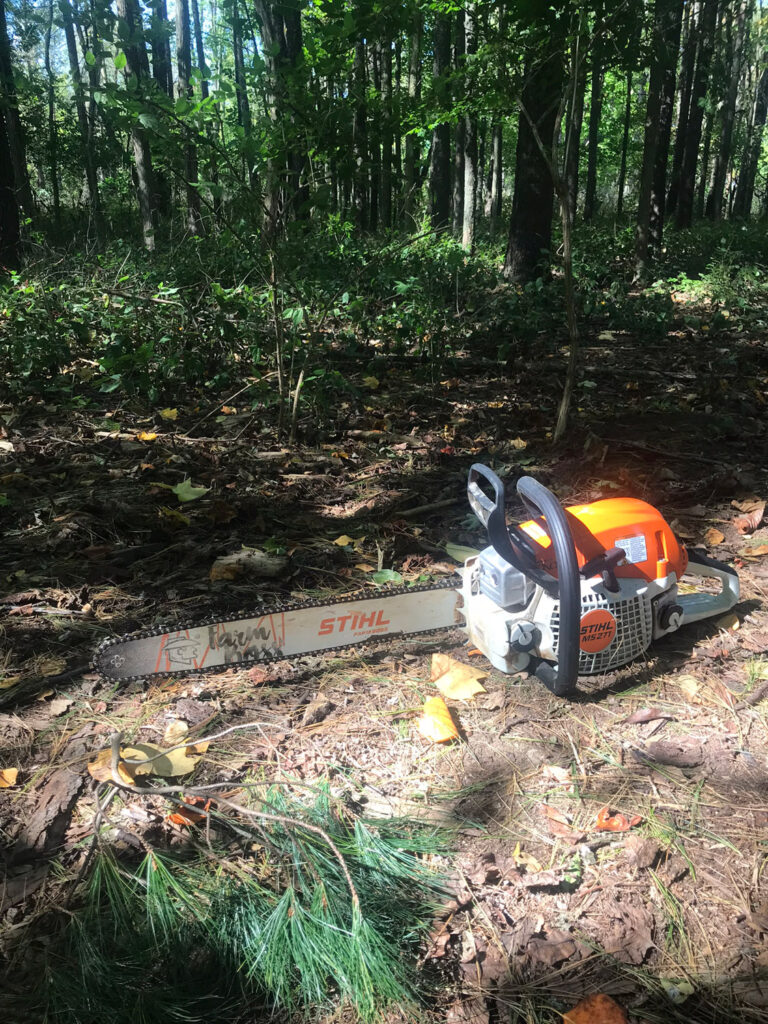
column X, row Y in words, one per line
column 688, row 67
column 241, row 92
column 160, row 36
column 624, row 147
column 674, row 23
column 10, row 232
column 374, row 140
column 359, row 139
column 385, row 61
column 745, row 188
column 440, row 177
column 497, row 179
column 457, row 191
column 205, row 74
column 575, row 118
column 412, row 148
column 728, row 115
column 685, row 197
column 89, row 160
column 530, row 230
column 704, row 176
column 664, row 53
column 13, row 126
column 194, row 220
column 595, row 115
column 470, row 138
column 53, row 138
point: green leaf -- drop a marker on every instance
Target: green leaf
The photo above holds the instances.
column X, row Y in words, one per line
column 4, row 499
column 120, row 61
column 90, row 59
column 387, row 576
column 459, row 553
column 186, row 491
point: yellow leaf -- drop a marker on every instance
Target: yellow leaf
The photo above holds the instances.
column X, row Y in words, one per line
column 519, row 443
column 51, row 666
column 455, row 679
column 690, row 686
column 436, row 722
column 343, row 541
column 198, row 748
column 371, row 382
column 525, row 860
column 713, row 537
column 175, row 732
column 173, row 513
column 44, row 694
column 167, row 765
column 729, row 621
column 101, row 768
column 8, row 777
column 496, row 405
column 228, row 410
column 365, row 568
column 169, row 414
column 9, row 681
column 146, row 435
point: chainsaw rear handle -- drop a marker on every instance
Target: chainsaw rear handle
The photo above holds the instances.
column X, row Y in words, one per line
column 516, row 548
column 702, row 606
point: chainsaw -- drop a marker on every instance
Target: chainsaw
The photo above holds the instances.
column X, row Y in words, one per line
column 572, row 591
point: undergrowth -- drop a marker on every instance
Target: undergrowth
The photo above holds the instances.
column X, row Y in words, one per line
column 201, row 935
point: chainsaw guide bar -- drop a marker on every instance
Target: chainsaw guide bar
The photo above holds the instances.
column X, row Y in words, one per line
column 285, row 631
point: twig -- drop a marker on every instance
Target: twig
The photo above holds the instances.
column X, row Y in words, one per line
column 445, row 503
column 195, row 742
column 219, row 405
column 753, row 698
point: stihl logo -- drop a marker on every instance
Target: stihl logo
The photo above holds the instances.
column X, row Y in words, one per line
column 596, row 631
column 352, row 623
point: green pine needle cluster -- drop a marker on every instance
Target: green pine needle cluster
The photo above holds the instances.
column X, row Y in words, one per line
column 199, row 937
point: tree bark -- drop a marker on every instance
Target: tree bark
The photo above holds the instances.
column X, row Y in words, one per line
column 530, row 230
column 745, row 188
column 457, row 178
column 160, row 36
column 496, row 178
column 374, row 139
column 359, row 139
column 688, row 66
column 194, row 221
column 10, row 232
column 728, row 115
column 685, row 197
column 624, row 148
column 674, row 23
column 595, row 115
column 53, row 138
column 13, row 126
column 412, row 146
column 440, row 176
column 575, row 118
column 205, row 74
column 470, row 136
column 385, row 63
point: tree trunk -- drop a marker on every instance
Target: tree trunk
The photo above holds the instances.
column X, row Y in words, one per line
column 470, row 139
column 359, row 138
column 496, row 179
column 194, row 221
column 685, row 197
column 412, row 147
column 205, row 74
column 374, row 140
column 241, row 92
column 624, row 148
column 385, row 63
column 13, row 126
column 703, row 180
column 530, row 229
column 595, row 114
column 440, row 176
column 160, row 36
column 53, row 138
column 457, row 201
column 574, row 120
column 745, row 188
column 728, row 115
column 10, row 233
column 89, row 159
column 688, row 67
column 663, row 54
column 674, row 22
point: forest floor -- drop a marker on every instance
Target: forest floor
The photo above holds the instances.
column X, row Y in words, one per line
column 670, row 916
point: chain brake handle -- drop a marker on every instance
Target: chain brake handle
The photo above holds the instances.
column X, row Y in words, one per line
column 516, row 548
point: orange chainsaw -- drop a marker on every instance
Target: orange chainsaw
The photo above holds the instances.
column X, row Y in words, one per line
column 572, row 591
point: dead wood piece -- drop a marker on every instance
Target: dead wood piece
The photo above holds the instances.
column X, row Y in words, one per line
column 22, row 883
column 46, row 826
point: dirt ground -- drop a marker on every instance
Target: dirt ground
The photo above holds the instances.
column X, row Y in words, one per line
column 669, row 915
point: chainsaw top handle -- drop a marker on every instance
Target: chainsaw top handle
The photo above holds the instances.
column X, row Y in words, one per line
column 518, row 549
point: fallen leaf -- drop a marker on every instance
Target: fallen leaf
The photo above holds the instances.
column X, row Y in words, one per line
column 146, row 435
column 186, row 491
column 101, row 768
column 596, row 1009
column 248, row 562
column 677, row 989
column 607, row 822
column 50, row 666
column 748, row 504
column 169, row 414
column 174, row 514
column 344, row 541
column 555, row 773
column 525, row 860
column 690, row 686
column 186, row 815
column 518, row 443
column 371, row 382
column 456, row 680
column 8, row 777
column 460, row 553
column 9, row 681
column 167, row 765
column 229, row 410
column 6, row 446
column 713, row 537
column 606, row 336
column 559, row 825
column 729, row 621
column 436, row 723
column 363, row 567
column 648, row 715
column 175, row 732
column 755, row 551
column 749, row 522
column 386, row 576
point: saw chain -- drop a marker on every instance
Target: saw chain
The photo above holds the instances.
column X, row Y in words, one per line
column 281, row 632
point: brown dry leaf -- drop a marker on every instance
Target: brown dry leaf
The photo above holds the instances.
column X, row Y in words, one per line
column 166, row 764
column 555, row 773
column 525, row 860
column 248, row 562
column 175, row 732
column 753, row 516
column 229, row 410
column 365, row 568
column 101, row 768
column 748, row 505
column 649, row 714
column 343, row 541
column 9, row 681
column 454, row 679
column 713, row 537
column 607, row 822
column 729, row 622
column 146, row 435
column 197, row 748
column 50, row 666
column 436, row 723
column 8, row 777
column 757, row 551
column 690, row 686
column 596, row 1009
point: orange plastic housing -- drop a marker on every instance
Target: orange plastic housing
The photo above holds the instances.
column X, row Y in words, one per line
column 652, row 549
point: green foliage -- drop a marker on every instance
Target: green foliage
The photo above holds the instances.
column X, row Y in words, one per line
column 185, row 939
